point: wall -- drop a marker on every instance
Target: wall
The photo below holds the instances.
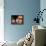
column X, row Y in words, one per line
column 1, row 20
column 43, row 6
column 24, row 7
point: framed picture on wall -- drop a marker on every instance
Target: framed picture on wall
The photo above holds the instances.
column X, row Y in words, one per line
column 17, row 19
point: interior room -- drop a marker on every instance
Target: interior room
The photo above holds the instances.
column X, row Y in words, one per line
column 23, row 23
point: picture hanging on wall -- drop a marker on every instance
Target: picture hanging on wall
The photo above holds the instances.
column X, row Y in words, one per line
column 17, row 19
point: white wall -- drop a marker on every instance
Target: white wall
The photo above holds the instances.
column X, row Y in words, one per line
column 1, row 20
column 43, row 6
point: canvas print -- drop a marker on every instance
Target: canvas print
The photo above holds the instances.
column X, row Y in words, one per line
column 17, row 19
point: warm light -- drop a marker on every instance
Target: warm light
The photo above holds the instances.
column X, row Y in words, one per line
column 20, row 16
column 1, row 25
column 1, row 21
